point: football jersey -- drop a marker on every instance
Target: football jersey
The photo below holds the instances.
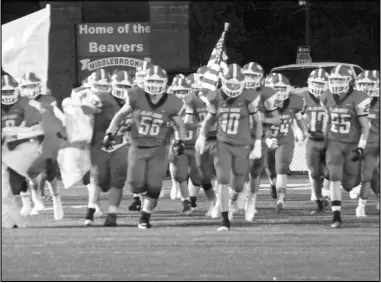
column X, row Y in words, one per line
column 13, row 115
column 344, row 113
column 110, row 106
column 150, row 125
column 32, row 115
column 233, row 115
column 283, row 132
column 374, row 120
column 196, row 106
column 316, row 115
column 266, row 103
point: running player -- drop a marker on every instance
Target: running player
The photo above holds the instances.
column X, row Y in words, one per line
column 254, row 81
column 347, row 131
column 30, row 87
column 231, row 107
column 281, row 140
column 369, row 82
column 148, row 154
column 108, row 167
column 315, row 148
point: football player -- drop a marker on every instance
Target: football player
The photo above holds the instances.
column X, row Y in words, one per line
column 108, row 166
column 281, row 137
column 148, row 154
column 30, row 87
column 315, row 147
column 254, row 82
column 195, row 113
column 231, row 107
column 141, row 71
column 347, row 132
column 12, row 115
column 369, row 82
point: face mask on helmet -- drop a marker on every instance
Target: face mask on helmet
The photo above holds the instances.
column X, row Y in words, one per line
column 31, row 90
column 232, row 88
column 181, row 93
column 316, row 87
column 100, row 88
column 120, row 90
column 155, row 86
column 8, row 96
column 338, row 84
column 253, row 80
column 139, row 78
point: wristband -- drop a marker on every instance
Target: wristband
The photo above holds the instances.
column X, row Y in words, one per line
column 362, row 143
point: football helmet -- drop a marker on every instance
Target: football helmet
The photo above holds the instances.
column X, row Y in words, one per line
column 30, row 85
column 120, row 82
column 155, row 80
column 194, row 81
column 85, row 82
column 232, row 80
column 280, row 84
column 317, row 82
column 100, row 81
column 174, row 81
column 369, row 82
column 254, row 75
column 340, row 79
column 181, row 88
column 141, row 70
column 9, row 90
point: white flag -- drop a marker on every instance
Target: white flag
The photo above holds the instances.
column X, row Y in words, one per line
column 25, row 45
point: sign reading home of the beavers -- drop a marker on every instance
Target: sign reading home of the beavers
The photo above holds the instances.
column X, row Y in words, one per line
column 111, row 46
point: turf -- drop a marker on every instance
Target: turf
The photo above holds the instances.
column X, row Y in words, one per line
column 292, row 246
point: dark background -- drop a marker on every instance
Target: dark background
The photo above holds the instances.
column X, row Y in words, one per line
column 267, row 32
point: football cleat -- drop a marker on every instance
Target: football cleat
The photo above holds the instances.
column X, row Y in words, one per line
column 355, row 192
column 98, row 212
column 280, row 204
column 319, row 208
column 110, row 220
column 360, row 211
column 336, row 221
column 273, row 192
column 187, row 209
column 250, row 210
column 225, row 226
column 144, row 221
column 58, row 211
column 216, row 212
column 89, row 220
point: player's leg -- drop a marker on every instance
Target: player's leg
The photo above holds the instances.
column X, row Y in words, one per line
column 375, row 184
column 11, row 217
column 99, row 180
column 86, row 182
column 194, row 182
column 38, row 204
column 240, row 169
column 270, row 171
column 283, row 156
column 223, row 164
column 118, row 165
column 314, row 163
column 156, row 171
column 257, row 167
column 334, row 163
column 369, row 164
column 180, row 167
column 52, row 183
column 205, row 164
column 19, row 185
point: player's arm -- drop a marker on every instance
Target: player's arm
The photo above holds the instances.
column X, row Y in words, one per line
column 253, row 111
column 189, row 119
column 301, row 123
column 209, row 120
column 119, row 117
column 57, row 112
column 362, row 110
column 178, row 122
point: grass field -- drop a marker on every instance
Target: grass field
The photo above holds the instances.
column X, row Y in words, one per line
column 292, row 246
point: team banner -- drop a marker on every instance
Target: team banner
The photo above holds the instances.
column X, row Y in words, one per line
column 25, row 45
column 111, row 46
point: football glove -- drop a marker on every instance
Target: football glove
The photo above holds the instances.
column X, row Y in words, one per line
column 200, row 144
column 107, row 141
column 358, row 154
column 272, row 143
column 178, row 147
column 256, row 153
